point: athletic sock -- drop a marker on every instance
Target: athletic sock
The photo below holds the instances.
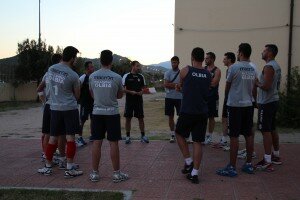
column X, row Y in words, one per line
column 71, row 149
column 276, row 153
column 70, row 165
column 223, row 139
column 51, row 148
column 267, row 158
column 172, row 134
column 210, row 135
column 188, row 161
column 194, row 172
column 128, row 134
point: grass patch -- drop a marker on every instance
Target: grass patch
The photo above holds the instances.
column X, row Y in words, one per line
column 24, row 194
column 17, row 105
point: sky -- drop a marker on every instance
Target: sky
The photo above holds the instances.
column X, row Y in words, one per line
column 138, row 29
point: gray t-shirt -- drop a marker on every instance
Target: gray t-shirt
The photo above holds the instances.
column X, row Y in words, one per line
column 172, row 93
column 242, row 77
column 270, row 95
column 105, row 84
column 46, row 89
column 62, row 83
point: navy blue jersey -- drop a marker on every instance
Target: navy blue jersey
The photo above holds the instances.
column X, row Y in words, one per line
column 195, row 91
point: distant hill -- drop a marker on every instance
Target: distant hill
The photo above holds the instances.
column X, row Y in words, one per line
column 166, row 64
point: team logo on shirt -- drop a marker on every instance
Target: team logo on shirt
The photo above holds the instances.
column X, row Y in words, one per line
column 199, row 75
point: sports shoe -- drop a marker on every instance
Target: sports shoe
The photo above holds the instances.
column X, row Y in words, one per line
column 194, row 179
column 82, row 141
column 276, row 160
column 208, row 140
column 264, row 166
column 119, row 176
column 229, row 171
column 79, row 143
column 172, row 139
column 244, row 155
column 226, row 148
column 71, row 173
column 187, row 168
column 248, row 168
column 144, row 139
column 220, row 144
column 47, row 171
column 62, row 164
column 128, row 140
column 94, row 176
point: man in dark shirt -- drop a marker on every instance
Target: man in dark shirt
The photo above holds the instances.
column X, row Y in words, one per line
column 195, row 82
column 134, row 83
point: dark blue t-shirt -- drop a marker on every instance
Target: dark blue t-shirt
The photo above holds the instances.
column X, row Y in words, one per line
column 195, row 91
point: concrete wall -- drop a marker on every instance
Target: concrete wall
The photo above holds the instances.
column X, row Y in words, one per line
column 220, row 26
column 25, row 92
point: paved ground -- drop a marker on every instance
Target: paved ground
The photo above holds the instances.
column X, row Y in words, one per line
column 154, row 171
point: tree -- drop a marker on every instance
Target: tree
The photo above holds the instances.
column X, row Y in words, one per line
column 32, row 61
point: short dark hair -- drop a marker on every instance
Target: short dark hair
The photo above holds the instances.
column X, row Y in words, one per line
column 106, row 57
column 55, row 58
column 272, row 48
column 69, row 53
column 134, row 63
column 230, row 56
column 212, row 55
column 198, row 54
column 245, row 49
column 175, row 58
column 86, row 64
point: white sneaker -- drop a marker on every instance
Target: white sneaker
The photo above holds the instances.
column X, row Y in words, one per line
column 71, row 173
column 172, row 139
column 47, row 171
column 94, row 176
column 244, row 155
column 119, row 176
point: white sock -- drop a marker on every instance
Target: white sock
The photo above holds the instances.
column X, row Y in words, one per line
column 188, row 161
column 70, row 165
column 276, row 153
column 195, row 172
column 210, row 135
column 172, row 133
column 267, row 158
column 48, row 165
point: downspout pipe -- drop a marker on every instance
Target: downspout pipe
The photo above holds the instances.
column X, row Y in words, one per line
column 290, row 46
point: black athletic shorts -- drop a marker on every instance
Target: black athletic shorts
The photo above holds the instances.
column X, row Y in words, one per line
column 85, row 112
column 267, row 116
column 194, row 124
column 170, row 104
column 213, row 107
column 240, row 121
column 106, row 123
column 64, row 122
column 134, row 109
column 225, row 109
column 46, row 119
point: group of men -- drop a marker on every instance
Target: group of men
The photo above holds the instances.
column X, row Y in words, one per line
column 245, row 90
column 192, row 91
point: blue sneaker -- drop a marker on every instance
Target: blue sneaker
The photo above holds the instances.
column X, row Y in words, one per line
column 229, row 171
column 248, row 168
column 144, row 139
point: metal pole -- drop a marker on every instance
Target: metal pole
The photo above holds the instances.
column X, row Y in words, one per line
column 39, row 42
column 290, row 47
